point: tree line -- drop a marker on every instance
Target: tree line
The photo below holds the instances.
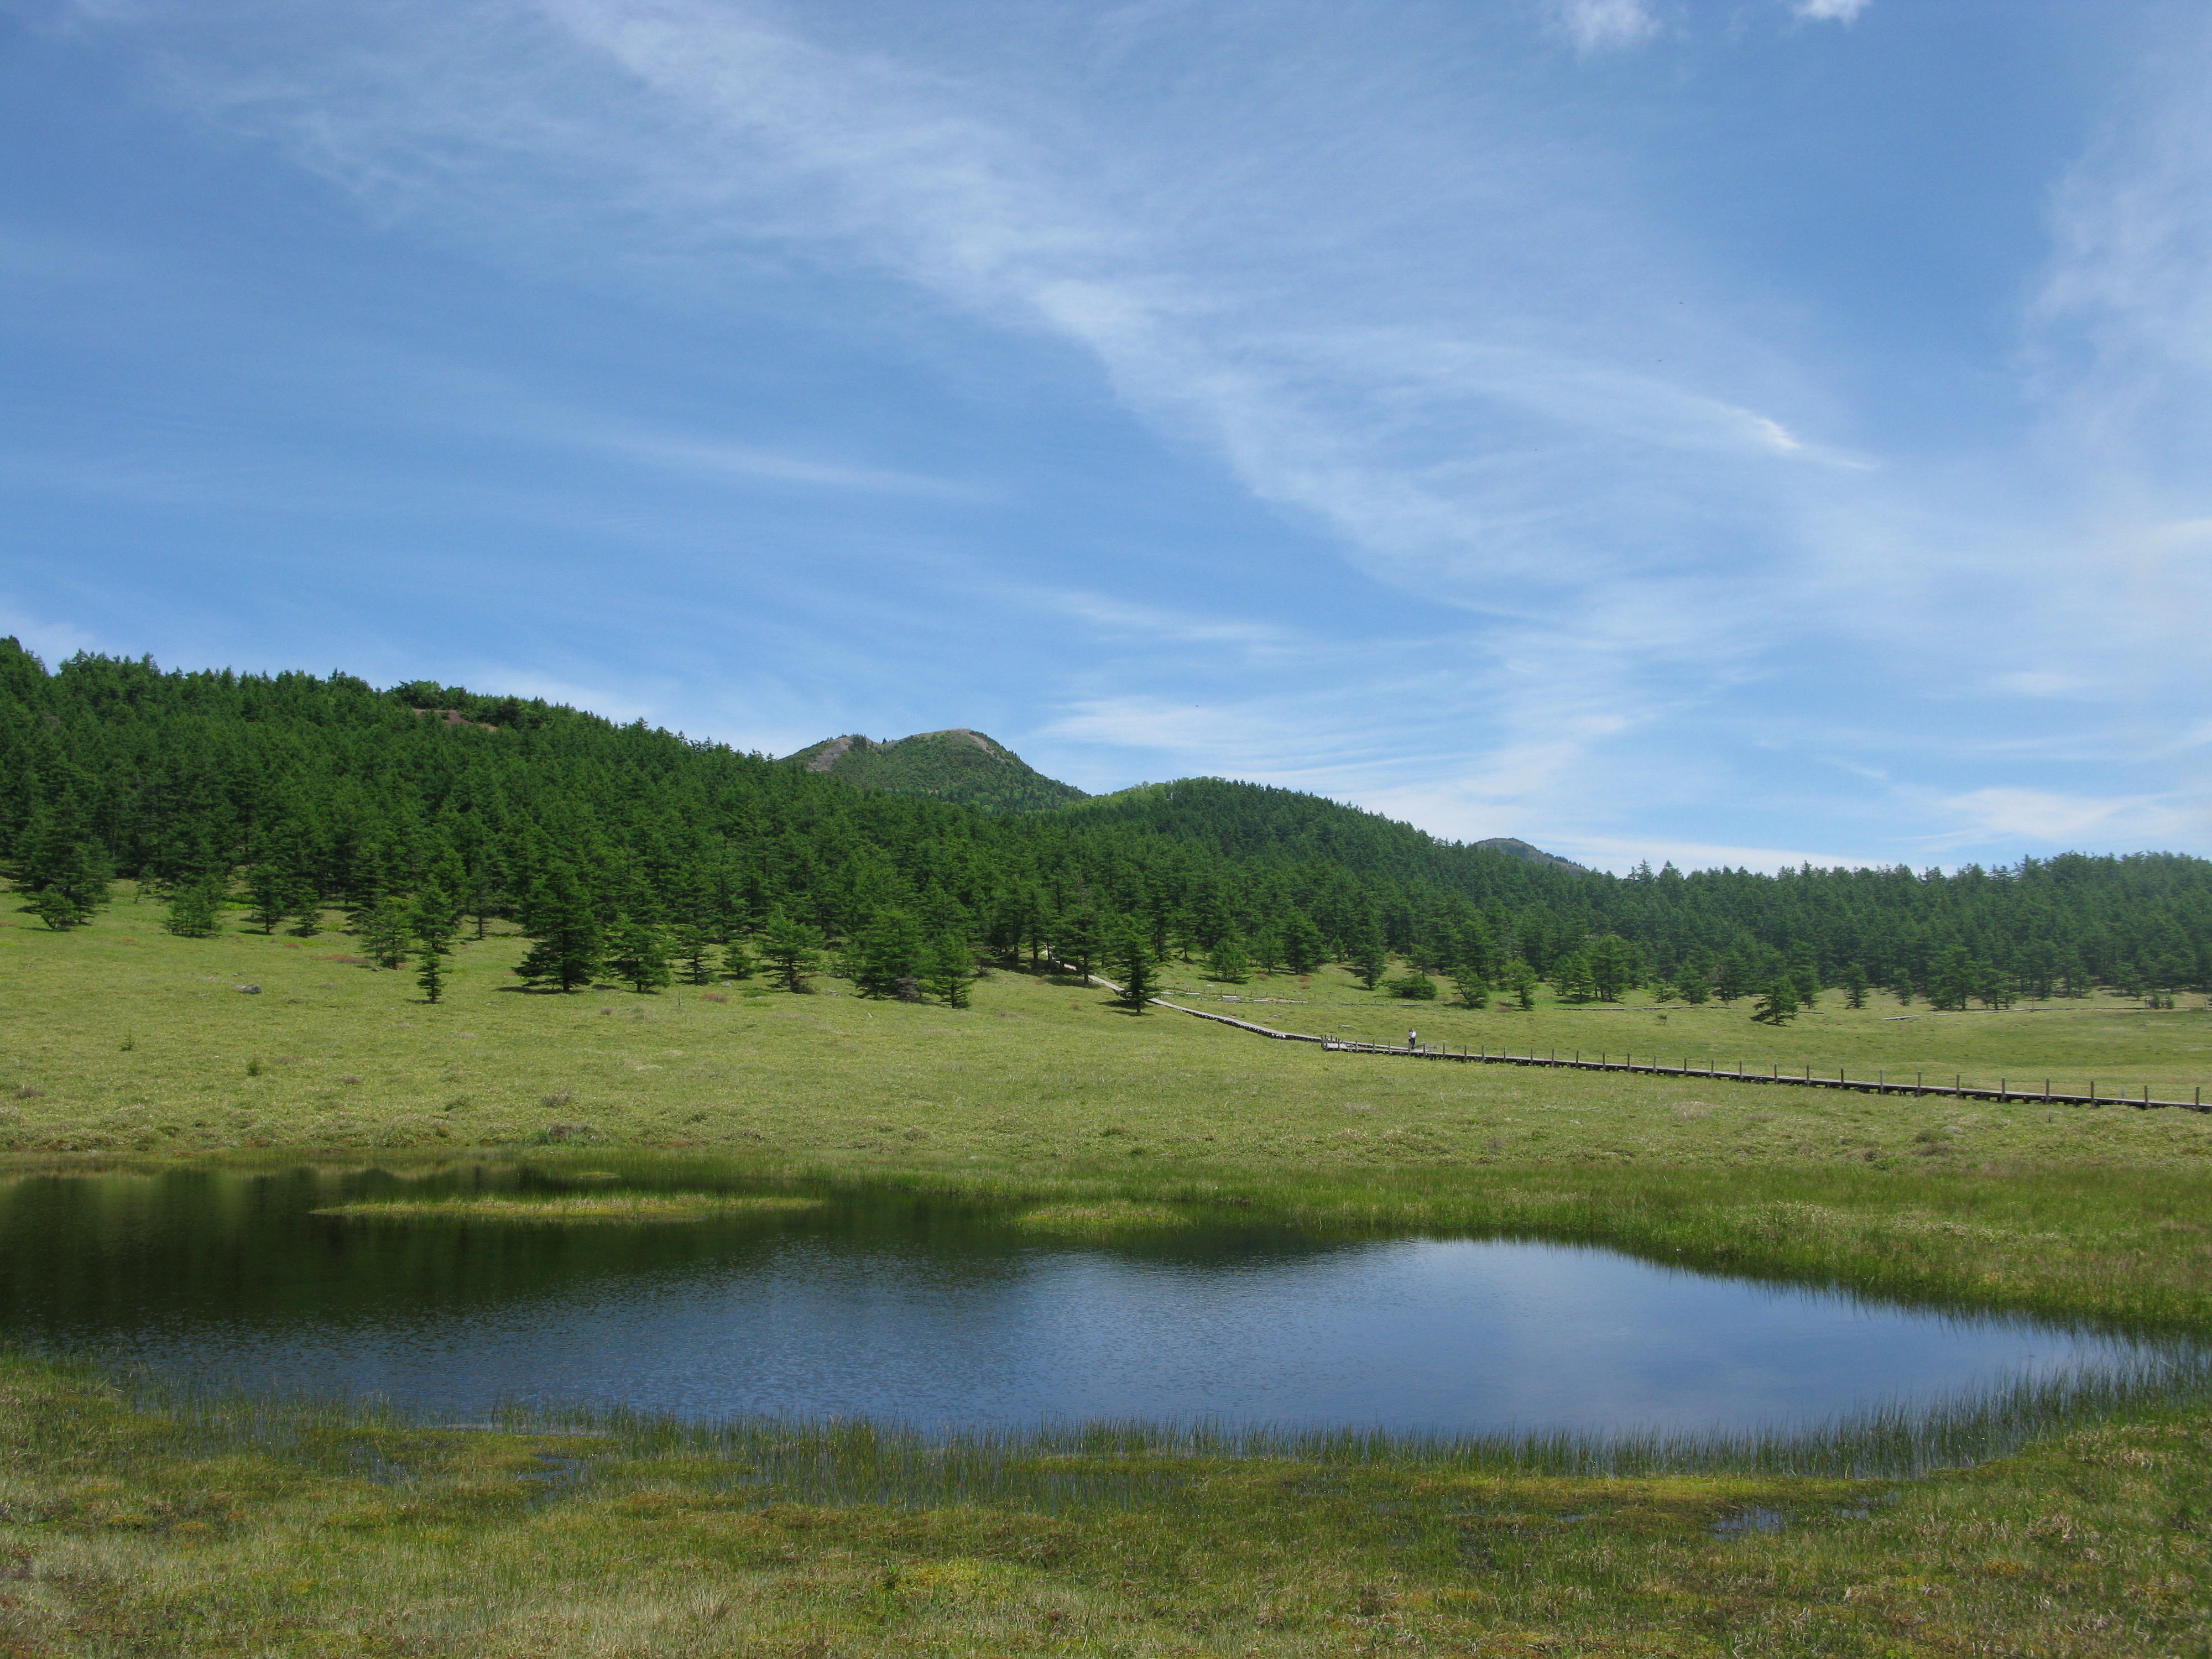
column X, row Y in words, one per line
column 641, row 855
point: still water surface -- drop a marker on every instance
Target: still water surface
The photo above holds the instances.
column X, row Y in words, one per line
column 938, row 1313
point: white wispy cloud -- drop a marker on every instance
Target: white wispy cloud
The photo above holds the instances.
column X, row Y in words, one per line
column 2055, row 819
column 50, row 639
column 2124, row 315
column 1837, row 11
column 704, row 457
column 1603, row 25
column 1150, row 623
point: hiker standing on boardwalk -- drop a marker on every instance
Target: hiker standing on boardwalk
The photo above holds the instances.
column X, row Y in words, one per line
column 1412, row 1038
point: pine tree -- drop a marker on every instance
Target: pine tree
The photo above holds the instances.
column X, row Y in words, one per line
column 195, row 909
column 1993, row 987
column 634, row 954
column 1518, row 977
column 792, row 951
column 435, row 923
column 565, row 935
column 1804, row 974
column 385, row 932
column 1614, row 966
column 693, row 949
column 887, row 951
column 1416, row 986
column 1777, row 1005
column 948, row 968
column 1079, row 938
column 1473, row 989
column 61, row 856
column 737, row 961
column 1130, row 956
column 1572, row 979
column 1267, row 950
column 1227, row 962
column 270, row 895
column 1953, row 978
column 1733, row 978
column 55, row 908
column 1303, row 948
column 1855, row 987
column 1369, row 960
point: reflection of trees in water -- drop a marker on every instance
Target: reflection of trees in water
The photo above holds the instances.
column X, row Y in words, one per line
column 115, row 1253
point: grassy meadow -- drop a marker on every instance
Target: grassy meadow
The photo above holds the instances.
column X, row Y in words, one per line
column 134, row 1522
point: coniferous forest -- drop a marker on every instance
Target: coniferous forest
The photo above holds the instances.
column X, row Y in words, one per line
column 631, row 853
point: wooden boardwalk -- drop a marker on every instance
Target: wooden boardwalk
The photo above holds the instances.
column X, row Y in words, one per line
column 1775, row 1077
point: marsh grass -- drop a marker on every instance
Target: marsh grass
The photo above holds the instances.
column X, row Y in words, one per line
column 563, row 1209
column 137, row 1518
column 1102, row 1220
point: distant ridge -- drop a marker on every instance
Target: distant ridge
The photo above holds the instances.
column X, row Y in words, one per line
column 1257, row 820
column 957, row 765
column 1514, row 848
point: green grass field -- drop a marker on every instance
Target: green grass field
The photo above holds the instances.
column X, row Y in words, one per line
column 132, row 1525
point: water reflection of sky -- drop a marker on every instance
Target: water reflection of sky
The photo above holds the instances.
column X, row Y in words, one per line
column 1447, row 1334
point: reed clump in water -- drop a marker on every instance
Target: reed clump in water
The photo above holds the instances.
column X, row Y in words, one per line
column 573, row 1207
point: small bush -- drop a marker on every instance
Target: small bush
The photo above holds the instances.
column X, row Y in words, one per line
column 558, row 1099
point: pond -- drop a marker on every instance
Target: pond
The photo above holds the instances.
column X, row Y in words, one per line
column 945, row 1314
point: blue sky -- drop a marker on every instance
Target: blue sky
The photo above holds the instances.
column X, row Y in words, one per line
column 1733, row 432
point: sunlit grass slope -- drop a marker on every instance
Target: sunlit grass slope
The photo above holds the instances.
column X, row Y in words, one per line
column 121, row 1037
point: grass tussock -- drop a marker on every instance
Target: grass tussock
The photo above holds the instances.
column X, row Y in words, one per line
column 1101, row 1220
column 562, row 1208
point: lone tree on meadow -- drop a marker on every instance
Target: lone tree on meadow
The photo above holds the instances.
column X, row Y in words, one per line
column 435, row 923
column 1130, row 956
column 1777, row 1005
column 196, row 909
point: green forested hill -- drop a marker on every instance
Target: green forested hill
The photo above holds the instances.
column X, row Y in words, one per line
column 956, row 765
column 309, row 790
